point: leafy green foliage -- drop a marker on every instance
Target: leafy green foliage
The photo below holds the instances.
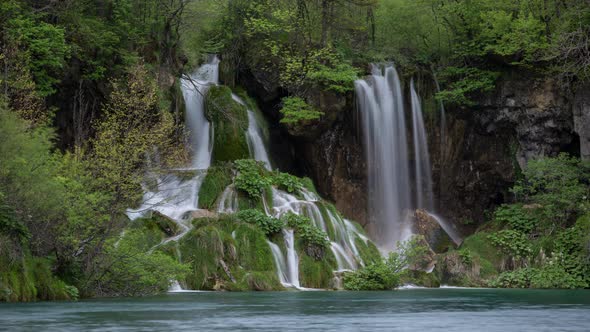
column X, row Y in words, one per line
column 463, row 82
column 251, row 177
column 9, row 224
column 304, row 228
column 373, row 277
column 287, row 182
column 268, row 225
column 517, row 217
column 338, row 78
column 558, row 185
column 386, row 274
column 295, row 110
column 512, row 242
column 45, row 50
column 536, row 237
column 135, row 271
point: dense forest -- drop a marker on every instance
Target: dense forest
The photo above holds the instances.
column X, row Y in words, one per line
column 91, row 93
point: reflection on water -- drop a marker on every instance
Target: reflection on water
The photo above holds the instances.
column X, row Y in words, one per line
column 404, row 310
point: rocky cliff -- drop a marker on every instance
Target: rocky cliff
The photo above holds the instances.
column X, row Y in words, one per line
column 485, row 148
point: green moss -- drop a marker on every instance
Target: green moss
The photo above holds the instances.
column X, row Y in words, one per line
column 309, row 185
column 203, row 249
column 479, row 244
column 246, row 202
column 247, row 256
column 217, row 179
column 368, row 251
column 253, row 251
column 316, row 274
column 155, row 229
column 421, row 278
column 263, row 281
column 230, row 121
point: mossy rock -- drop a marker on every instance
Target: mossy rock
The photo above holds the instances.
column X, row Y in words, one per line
column 246, row 202
column 368, row 251
column 216, row 181
column 203, row 249
column 254, row 252
column 156, row 228
column 421, row 278
column 230, row 122
column 314, row 273
column 480, row 245
column 475, row 263
column 461, row 268
column 212, row 251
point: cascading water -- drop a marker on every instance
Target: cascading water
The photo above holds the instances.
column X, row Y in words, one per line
column 176, row 196
column 255, row 136
column 423, row 174
column 194, row 89
column 342, row 239
column 380, row 103
column 172, row 195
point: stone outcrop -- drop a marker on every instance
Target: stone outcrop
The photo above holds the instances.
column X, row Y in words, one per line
column 485, row 148
column 489, row 144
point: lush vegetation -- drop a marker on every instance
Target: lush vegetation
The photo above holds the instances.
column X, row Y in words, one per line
column 90, row 102
column 542, row 239
column 389, row 273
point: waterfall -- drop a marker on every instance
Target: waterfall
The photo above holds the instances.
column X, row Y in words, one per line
column 292, row 258
column 380, row 102
column 423, row 175
column 342, row 241
column 256, row 141
column 228, row 203
column 194, row 90
column 176, row 196
column 390, row 196
column 255, row 136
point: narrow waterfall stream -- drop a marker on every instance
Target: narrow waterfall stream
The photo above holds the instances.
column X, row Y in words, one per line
column 423, row 174
column 391, row 198
column 173, row 195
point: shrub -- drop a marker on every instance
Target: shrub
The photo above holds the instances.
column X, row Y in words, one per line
column 517, row 217
column 386, row 274
column 268, row 225
column 558, row 185
column 512, row 242
column 296, row 110
column 251, row 178
column 373, row 277
column 287, row 182
column 315, row 240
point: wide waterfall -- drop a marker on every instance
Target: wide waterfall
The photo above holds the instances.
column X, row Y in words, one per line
column 381, row 105
column 393, row 198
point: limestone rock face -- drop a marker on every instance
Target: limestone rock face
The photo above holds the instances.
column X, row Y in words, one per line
column 336, row 163
column 486, row 146
column 436, row 238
